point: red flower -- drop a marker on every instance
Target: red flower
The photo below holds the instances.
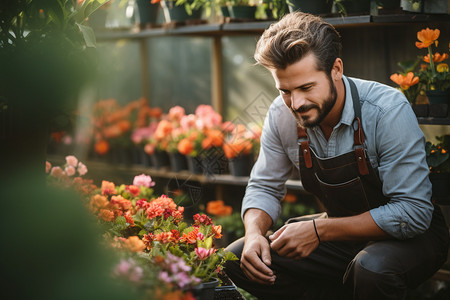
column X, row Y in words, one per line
column 202, row 219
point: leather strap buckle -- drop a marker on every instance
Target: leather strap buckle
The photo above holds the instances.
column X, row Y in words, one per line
column 306, row 154
column 361, row 160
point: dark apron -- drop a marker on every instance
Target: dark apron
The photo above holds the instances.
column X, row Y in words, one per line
column 346, row 184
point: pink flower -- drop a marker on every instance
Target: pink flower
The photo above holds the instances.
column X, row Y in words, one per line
column 70, row 170
column 82, row 169
column 71, row 160
column 176, row 113
column 129, row 269
column 48, row 167
column 203, row 253
column 188, row 122
column 57, row 172
column 143, row 180
column 200, row 236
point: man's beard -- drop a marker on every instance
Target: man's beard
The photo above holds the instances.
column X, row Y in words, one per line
column 305, row 121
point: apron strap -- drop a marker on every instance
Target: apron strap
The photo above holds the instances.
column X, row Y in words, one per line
column 358, row 135
column 304, row 145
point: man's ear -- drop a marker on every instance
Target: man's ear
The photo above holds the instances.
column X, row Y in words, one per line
column 338, row 70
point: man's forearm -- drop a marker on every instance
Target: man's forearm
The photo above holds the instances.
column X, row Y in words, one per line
column 256, row 221
column 360, row 227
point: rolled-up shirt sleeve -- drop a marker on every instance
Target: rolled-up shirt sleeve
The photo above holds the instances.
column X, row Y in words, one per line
column 273, row 167
column 403, row 170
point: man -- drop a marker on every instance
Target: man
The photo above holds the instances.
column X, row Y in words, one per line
column 359, row 149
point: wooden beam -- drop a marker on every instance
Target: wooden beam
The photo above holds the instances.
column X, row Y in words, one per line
column 216, row 75
column 145, row 79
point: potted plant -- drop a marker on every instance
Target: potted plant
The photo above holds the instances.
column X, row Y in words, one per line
column 202, row 141
column 434, row 73
column 154, row 227
column 275, row 9
column 408, row 83
column 439, row 164
column 241, row 147
column 184, row 11
column 319, row 7
column 242, row 9
column 351, row 7
column 425, row 76
column 412, row 5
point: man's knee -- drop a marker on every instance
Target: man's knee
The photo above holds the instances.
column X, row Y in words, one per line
column 372, row 277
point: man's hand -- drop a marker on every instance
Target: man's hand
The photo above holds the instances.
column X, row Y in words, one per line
column 296, row 240
column 256, row 258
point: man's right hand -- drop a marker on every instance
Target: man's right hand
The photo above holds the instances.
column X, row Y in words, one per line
column 255, row 259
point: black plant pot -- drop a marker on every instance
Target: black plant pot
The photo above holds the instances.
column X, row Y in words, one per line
column 160, row 159
column 421, row 110
column 178, row 162
column 195, row 165
column 441, row 188
column 241, row 165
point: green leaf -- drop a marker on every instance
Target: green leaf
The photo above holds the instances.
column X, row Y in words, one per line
column 88, row 35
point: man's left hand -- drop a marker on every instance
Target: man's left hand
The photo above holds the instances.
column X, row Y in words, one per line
column 296, row 240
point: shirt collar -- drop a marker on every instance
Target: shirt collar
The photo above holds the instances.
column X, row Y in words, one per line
column 348, row 113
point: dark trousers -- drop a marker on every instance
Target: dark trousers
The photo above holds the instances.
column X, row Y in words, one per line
column 352, row 270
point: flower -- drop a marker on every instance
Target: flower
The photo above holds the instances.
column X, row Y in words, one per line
column 405, row 81
column 438, row 155
column 143, row 180
column 433, row 77
column 242, row 141
column 114, row 125
column 218, row 208
column 427, row 37
column 154, row 227
column 69, row 174
column 429, row 76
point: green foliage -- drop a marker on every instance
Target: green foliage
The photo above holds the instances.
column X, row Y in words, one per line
column 438, row 155
column 232, row 224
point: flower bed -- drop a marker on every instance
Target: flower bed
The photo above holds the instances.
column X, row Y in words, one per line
column 160, row 252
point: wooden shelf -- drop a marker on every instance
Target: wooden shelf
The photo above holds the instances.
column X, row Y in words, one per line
column 433, row 121
column 230, row 28
column 220, row 179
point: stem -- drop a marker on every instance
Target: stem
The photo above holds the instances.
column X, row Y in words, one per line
column 433, row 71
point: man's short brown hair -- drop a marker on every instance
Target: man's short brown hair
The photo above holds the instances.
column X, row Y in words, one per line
column 296, row 35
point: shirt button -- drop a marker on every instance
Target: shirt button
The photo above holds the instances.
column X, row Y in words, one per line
column 403, row 225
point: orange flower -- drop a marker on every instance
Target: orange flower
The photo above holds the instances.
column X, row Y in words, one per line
column 166, row 237
column 155, row 112
column 191, row 237
column 437, row 58
column 427, row 37
column 106, row 215
column 101, row 147
column 217, row 231
column 108, row 188
column 120, row 202
column 97, row 202
column 218, row 208
column 216, row 137
column 405, row 81
column 164, row 129
column 134, row 244
column 290, row 198
column 149, row 149
column 185, row 146
column 237, row 147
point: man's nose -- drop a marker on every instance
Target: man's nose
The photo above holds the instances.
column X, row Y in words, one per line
column 297, row 100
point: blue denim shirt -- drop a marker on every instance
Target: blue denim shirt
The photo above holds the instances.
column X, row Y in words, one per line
column 396, row 148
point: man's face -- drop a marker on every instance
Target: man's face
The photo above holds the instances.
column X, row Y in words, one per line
column 309, row 93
